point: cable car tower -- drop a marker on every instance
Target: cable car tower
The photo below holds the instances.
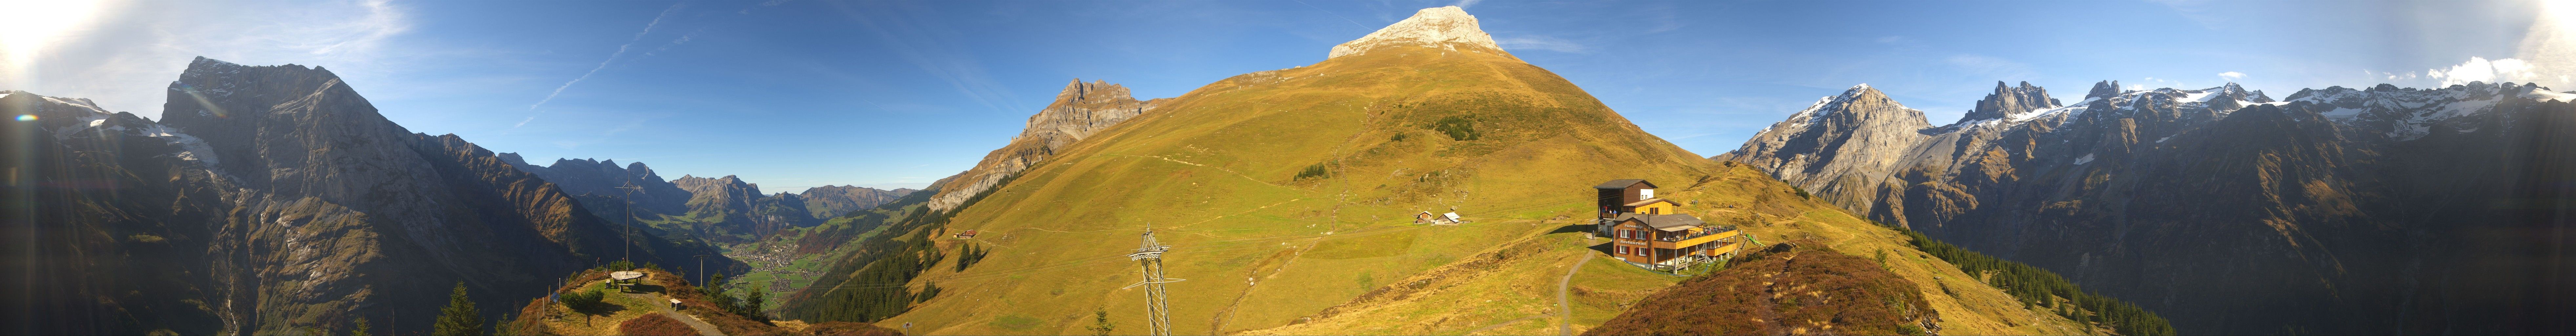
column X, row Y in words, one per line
column 1157, row 310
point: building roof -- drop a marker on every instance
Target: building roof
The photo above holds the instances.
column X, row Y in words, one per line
column 1651, row 201
column 1623, row 184
column 1673, row 222
column 625, row 275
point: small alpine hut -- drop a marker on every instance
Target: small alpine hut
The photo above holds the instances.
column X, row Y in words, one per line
column 1424, row 217
column 965, row 235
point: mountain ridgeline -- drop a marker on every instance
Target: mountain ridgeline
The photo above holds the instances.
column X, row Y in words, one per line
column 271, row 199
column 2335, row 210
column 722, row 210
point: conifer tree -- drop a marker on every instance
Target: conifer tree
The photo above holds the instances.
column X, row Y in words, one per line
column 1100, row 325
column 361, row 328
column 459, row 318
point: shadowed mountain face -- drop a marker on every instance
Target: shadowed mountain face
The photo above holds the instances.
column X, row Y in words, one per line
column 272, row 198
column 2336, row 210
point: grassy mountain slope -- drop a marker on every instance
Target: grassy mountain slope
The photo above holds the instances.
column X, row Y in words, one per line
column 1286, row 193
column 1518, row 294
column 1216, row 172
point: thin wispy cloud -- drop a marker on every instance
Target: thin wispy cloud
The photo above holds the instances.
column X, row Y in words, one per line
column 1465, row 3
column 612, row 57
column 1990, row 66
column 2232, row 75
column 1542, row 43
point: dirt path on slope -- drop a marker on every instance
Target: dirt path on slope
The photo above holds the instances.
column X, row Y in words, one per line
column 663, row 304
column 1564, row 311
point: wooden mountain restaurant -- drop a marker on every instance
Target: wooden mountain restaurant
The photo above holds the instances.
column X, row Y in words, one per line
column 1646, row 231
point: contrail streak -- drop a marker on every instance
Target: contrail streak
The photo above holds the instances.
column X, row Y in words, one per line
column 612, row 58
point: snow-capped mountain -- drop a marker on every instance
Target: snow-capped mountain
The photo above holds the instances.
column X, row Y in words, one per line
column 2333, row 210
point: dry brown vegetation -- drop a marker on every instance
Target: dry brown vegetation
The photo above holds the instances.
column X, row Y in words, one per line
column 1791, row 292
column 655, row 325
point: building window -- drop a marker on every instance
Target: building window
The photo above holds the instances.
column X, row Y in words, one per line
column 1622, row 249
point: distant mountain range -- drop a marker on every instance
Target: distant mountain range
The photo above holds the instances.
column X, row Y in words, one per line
column 273, row 198
column 724, row 209
column 2334, row 211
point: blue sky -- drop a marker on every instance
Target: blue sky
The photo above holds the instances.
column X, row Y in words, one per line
column 796, row 94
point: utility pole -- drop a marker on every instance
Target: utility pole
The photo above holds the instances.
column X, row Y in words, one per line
column 630, row 223
column 1158, row 312
column 702, row 270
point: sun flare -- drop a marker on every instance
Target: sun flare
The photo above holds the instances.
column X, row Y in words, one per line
column 30, row 26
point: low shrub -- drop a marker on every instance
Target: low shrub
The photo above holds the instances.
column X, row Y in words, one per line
column 584, row 300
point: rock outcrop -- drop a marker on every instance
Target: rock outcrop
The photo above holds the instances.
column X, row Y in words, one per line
column 2007, row 101
column 2334, row 211
column 1079, row 111
column 1447, row 28
column 273, row 198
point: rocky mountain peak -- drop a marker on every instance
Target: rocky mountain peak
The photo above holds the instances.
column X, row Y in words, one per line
column 1441, row 27
column 512, row 159
column 2009, row 100
column 1097, row 91
column 727, row 184
column 2104, row 89
column 1836, row 136
column 1857, row 95
column 1082, row 109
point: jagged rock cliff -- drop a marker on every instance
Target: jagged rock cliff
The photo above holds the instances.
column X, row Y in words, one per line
column 272, row 198
column 1860, row 134
column 2334, row 211
column 1079, row 111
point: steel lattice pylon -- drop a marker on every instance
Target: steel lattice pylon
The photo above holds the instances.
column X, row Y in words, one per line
column 1158, row 312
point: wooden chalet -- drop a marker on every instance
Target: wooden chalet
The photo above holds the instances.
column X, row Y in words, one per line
column 967, row 234
column 1646, row 230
